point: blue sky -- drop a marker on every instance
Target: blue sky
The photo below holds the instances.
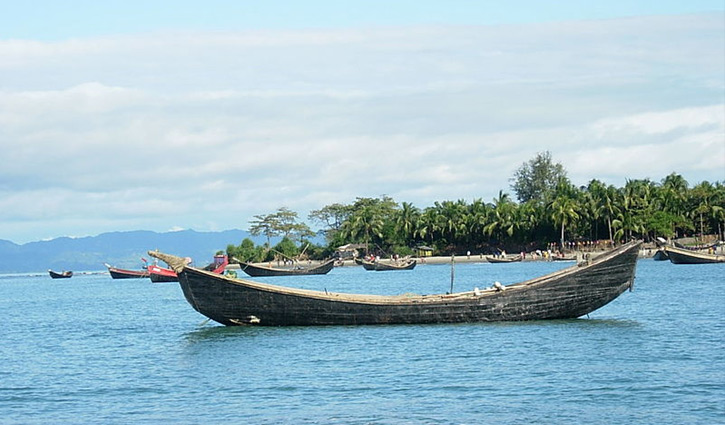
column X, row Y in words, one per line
column 56, row 20
column 126, row 115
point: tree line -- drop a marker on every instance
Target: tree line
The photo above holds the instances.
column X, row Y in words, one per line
column 548, row 210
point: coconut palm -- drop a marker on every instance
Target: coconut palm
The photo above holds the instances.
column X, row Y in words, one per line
column 477, row 218
column 406, row 221
column 502, row 219
column 564, row 208
column 427, row 227
column 451, row 219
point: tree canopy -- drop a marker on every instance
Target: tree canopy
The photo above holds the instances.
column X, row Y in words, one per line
column 537, row 179
column 550, row 210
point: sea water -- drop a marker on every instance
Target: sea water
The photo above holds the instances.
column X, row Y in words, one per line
column 95, row 350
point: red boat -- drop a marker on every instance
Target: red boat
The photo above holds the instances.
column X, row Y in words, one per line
column 162, row 274
column 117, row 273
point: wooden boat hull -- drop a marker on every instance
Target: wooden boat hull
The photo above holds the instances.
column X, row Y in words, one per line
column 60, row 275
column 382, row 267
column 568, row 293
column 501, row 260
column 660, row 255
column 117, row 273
column 686, row 256
column 260, row 271
column 160, row 274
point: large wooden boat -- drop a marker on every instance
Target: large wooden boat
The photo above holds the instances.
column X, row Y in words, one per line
column 509, row 259
column 568, row 293
column 686, row 256
column 60, row 275
column 379, row 266
column 117, row 273
column 259, row 270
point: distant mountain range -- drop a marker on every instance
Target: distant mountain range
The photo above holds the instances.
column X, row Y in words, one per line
column 120, row 249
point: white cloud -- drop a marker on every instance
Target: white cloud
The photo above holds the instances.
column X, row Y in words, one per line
column 205, row 130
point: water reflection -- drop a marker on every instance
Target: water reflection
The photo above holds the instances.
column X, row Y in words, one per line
column 213, row 332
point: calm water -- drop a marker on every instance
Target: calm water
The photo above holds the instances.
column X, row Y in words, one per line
column 95, row 350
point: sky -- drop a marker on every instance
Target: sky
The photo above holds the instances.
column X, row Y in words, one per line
column 168, row 115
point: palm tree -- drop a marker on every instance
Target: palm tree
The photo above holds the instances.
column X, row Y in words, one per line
column 702, row 195
column 528, row 215
column 476, row 219
column 564, row 207
column 451, row 219
column 634, row 209
column 563, row 212
column 406, row 221
column 427, row 227
column 673, row 198
column 367, row 220
column 502, row 220
column 594, row 200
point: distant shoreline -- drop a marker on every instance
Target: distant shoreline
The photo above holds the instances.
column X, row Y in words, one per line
column 433, row 260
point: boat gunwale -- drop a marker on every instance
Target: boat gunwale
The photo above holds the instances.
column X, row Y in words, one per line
column 127, row 271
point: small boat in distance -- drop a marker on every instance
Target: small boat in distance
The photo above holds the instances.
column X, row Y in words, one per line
column 497, row 260
column 117, row 273
column 256, row 270
column 686, row 256
column 60, row 275
column 379, row 266
column 565, row 294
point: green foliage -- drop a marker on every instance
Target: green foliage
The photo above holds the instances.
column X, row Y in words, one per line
column 286, row 248
column 246, row 251
column 281, row 223
column 332, row 217
column 640, row 209
column 663, row 224
column 537, row 178
column 403, row 251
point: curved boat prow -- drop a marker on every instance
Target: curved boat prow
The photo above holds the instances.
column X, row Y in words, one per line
column 177, row 264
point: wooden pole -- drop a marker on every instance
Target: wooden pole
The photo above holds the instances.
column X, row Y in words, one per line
column 453, row 270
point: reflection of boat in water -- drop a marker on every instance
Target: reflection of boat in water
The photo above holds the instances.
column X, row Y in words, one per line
column 686, row 256
column 259, row 270
column 504, row 259
column 60, row 275
column 568, row 293
column 117, row 273
column 379, row 266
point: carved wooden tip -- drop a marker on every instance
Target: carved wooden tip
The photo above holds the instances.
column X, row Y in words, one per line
column 176, row 263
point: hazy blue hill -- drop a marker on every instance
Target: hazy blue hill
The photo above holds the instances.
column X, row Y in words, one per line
column 121, row 249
